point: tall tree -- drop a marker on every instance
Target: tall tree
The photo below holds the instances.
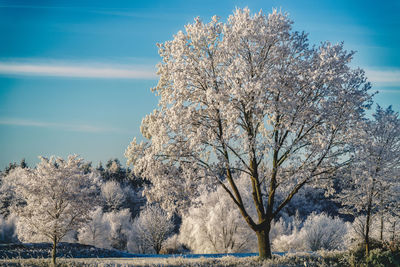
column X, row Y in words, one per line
column 59, row 197
column 372, row 183
column 249, row 96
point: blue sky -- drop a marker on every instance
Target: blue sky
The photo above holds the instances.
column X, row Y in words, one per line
column 75, row 76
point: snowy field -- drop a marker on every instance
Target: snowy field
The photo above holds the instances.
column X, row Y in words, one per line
column 140, row 261
column 189, row 260
column 83, row 255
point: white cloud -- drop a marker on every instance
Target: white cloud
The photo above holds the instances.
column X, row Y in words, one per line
column 389, row 77
column 100, row 71
column 64, row 126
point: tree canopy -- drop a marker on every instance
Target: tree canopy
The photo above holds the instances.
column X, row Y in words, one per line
column 249, row 96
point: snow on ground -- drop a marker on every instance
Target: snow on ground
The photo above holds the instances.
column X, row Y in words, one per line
column 65, row 250
column 231, row 261
column 83, row 255
column 74, row 250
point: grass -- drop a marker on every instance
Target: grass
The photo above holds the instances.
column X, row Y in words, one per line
column 288, row 260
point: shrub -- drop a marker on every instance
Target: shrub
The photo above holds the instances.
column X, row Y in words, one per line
column 323, row 232
column 381, row 254
column 8, row 232
column 383, row 258
column 319, row 231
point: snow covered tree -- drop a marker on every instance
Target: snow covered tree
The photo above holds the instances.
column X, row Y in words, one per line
column 152, row 228
column 96, row 231
column 113, row 195
column 373, row 178
column 393, row 216
column 7, row 196
column 121, row 227
column 114, row 171
column 58, row 197
column 118, row 196
column 111, row 230
column 251, row 96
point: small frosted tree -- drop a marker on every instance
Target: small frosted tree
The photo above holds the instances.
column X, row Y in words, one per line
column 251, row 96
column 371, row 185
column 8, row 198
column 58, row 195
column 113, row 195
column 393, row 218
column 121, row 227
column 96, row 231
column 107, row 230
column 152, row 228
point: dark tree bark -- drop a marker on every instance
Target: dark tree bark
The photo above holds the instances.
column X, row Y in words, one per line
column 54, row 251
column 367, row 226
column 382, row 224
column 264, row 246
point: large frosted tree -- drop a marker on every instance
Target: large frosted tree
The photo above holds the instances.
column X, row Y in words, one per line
column 58, row 198
column 248, row 96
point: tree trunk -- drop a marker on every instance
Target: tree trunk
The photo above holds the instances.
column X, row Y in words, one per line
column 367, row 248
column 368, row 221
column 264, row 247
column 381, row 233
column 157, row 248
column 393, row 230
column 54, row 251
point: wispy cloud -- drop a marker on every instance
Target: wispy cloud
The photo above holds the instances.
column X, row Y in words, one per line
column 63, row 126
column 94, row 70
column 390, row 77
column 123, row 12
column 391, row 91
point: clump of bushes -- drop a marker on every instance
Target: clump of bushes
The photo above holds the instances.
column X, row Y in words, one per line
column 318, row 232
column 382, row 254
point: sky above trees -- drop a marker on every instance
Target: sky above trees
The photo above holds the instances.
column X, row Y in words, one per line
column 75, row 75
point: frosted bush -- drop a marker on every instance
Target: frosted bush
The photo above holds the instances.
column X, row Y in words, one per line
column 319, row 231
column 279, row 228
column 323, row 232
column 215, row 225
column 70, row 237
column 107, row 230
column 8, row 232
column 291, row 242
column 173, row 246
column 96, row 231
column 120, row 228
